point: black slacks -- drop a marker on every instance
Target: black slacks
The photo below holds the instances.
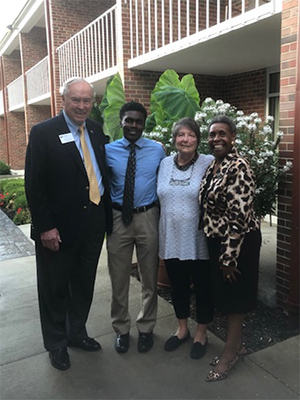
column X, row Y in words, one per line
column 181, row 274
column 66, row 282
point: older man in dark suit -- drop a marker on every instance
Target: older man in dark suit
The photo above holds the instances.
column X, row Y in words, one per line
column 67, row 191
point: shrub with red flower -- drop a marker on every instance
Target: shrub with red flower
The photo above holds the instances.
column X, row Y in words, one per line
column 13, row 201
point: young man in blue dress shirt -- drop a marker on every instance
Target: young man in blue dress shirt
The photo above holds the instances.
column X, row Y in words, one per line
column 141, row 232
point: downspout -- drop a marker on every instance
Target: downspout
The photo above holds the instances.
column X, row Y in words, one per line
column 5, row 109
column 119, row 41
column 293, row 298
column 50, row 57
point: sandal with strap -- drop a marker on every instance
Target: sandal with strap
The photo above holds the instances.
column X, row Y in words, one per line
column 214, row 376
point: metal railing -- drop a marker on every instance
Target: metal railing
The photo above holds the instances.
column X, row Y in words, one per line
column 91, row 51
column 37, row 79
column 155, row 24
column 15, row 91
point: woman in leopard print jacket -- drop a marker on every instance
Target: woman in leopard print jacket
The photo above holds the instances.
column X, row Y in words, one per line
column 233, row 235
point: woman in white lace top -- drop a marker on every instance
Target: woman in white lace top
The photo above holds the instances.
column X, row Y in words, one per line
column 181, row 244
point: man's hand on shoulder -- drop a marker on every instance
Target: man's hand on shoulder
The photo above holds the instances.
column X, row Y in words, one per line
column 51, row 239
column 162, row 145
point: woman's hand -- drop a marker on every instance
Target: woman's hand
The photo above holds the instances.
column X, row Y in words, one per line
column 230, row 273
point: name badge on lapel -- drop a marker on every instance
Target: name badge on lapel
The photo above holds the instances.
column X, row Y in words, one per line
column 66, row 138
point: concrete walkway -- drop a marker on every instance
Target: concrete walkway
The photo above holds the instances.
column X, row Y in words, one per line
column 26, row 373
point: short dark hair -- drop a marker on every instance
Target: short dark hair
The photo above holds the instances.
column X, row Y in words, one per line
column 133, row 106
column 188, row 122
column 223, row 119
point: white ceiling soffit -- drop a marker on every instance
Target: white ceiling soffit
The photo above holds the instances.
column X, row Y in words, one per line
column 31, row 15
column 247, row 48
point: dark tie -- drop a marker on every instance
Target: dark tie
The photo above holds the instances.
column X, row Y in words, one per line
column 127, row 208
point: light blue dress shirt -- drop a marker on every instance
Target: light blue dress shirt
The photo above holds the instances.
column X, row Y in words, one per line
column 74, row 129
column 148, row 157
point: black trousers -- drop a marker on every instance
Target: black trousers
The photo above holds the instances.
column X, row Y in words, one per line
column 66, row 283
column 181, row 274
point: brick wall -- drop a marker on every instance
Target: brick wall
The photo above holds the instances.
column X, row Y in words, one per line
column 209, row 86
column 17, row 139
column 65, row 24
column 247, row 91
column 12, row 67
column 3, row 142
column 37, row 114
column 33, row 50
column 33, row 47
column 289, row 29
column 15, row 134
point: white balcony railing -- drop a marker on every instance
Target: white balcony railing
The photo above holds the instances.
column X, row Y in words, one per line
column 91, row 51
column 1, row 103
column 156, row 24
column 15, row 92
column 38, row 84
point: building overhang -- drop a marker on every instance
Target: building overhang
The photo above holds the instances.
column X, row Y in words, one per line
column 224, row 52
column 30, row 16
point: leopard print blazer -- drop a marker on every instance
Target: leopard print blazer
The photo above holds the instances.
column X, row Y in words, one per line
column 227, row 205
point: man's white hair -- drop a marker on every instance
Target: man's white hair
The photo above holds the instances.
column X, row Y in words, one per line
column 65, row 88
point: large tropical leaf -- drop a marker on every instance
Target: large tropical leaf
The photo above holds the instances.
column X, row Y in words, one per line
column 172, row 99
column 168, row 78
column 96, row 114
column 112, row 101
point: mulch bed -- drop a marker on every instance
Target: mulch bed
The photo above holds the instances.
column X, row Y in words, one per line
column 263, row 327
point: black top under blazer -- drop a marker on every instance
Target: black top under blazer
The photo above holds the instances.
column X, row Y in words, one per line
column 56, row 182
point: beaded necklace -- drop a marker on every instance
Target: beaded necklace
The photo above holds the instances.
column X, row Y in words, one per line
column 186, row 166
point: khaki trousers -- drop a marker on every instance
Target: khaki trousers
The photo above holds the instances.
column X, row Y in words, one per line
column 143, row 234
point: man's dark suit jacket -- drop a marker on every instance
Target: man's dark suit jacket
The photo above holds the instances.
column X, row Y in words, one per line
column 56, row 181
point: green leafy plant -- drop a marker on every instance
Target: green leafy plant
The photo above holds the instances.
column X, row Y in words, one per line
column 4, row 168
column 170, row 100
column 108, row 110
column 22, row 216
column 255, row 141
column 174, row 98
column 13, row 200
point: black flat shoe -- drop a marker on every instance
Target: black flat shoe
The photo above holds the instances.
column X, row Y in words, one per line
column 122, row 343
column 145, row 342
column 87, row 344
column 198, row 350
column 60, row 359
column 174, row 342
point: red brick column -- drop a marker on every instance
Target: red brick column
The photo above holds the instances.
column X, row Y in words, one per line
column 15, row 125
column 289, row 35
column 33, row 50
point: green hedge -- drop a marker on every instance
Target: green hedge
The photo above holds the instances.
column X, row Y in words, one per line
column 13, row 200
column 4, row 168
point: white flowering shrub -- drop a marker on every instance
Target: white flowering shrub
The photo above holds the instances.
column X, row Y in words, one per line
column 255, row 141
column 162, row 135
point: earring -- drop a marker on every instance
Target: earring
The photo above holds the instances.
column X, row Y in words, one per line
column 233, row 143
